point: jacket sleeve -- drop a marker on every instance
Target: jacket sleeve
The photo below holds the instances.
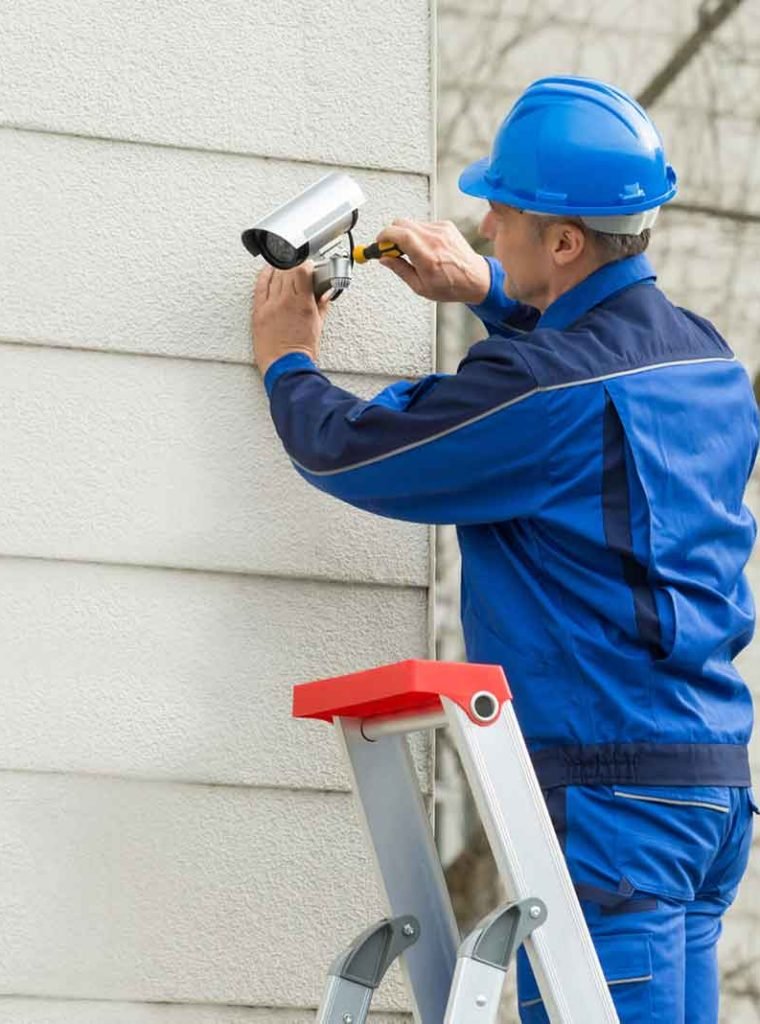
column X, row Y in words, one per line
column 468, row 447
column 497, row 311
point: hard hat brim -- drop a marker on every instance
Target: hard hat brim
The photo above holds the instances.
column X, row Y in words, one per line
column 472, row 180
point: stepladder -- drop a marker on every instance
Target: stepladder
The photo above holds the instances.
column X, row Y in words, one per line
column 452, row 980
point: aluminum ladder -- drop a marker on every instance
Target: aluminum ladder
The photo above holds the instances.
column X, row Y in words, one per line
column 451, row 982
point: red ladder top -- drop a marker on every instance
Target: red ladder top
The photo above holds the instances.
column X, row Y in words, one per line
column 405, row 687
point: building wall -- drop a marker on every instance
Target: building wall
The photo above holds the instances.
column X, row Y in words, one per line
column 174, row 847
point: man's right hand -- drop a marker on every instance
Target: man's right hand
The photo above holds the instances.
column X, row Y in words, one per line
column 440, row 263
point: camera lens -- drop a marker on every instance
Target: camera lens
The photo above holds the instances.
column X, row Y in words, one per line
column 278, row 251
column 274, row 248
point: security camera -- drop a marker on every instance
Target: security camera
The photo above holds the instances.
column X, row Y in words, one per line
column 310, row 225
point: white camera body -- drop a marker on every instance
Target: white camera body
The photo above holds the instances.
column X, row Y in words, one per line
column 312, row 222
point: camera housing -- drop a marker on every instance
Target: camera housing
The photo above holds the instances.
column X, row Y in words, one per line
column 305, row 225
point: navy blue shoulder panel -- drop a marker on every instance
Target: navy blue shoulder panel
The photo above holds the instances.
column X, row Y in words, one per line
column 635, row 329
column 521, row 318
column 325, row 428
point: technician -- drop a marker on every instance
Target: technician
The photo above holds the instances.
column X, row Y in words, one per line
column 593, row 452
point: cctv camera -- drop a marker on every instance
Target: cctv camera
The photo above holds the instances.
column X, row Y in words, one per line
column 307, row 224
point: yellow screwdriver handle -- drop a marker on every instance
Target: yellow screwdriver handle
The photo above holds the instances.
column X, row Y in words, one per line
column 363, row 253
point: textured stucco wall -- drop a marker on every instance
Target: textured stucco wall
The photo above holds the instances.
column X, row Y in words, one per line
column 174, row 847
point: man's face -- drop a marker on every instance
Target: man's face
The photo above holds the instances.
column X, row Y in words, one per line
column 518, row 247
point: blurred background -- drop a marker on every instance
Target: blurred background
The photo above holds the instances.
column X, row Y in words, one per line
column 695, row 66
column 175, row 848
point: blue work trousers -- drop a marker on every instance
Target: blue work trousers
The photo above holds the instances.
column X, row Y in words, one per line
column 654, row 867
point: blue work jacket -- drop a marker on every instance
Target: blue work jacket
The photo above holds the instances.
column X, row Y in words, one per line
column 594, row 459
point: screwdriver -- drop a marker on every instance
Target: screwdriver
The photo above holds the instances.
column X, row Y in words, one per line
column 375, row 251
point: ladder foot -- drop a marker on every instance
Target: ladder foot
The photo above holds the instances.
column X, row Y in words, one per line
column 484, row 957
column 358, row 970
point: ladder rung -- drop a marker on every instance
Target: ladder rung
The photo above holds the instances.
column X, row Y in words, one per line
column 387, row 725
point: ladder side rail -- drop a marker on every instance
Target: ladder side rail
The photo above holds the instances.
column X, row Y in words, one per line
column 357, row 971
column 398, row 832
column 531, row 863
column 342, row 1001
column 484, row 958
column 475, row 993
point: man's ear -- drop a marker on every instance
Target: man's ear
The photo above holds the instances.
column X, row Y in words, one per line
column 569, row 243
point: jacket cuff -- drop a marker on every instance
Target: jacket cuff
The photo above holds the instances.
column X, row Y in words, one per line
column 497, row 305
column 290, row 361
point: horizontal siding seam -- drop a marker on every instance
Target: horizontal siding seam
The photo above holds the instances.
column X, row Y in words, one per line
column 152, row 780
column 281, row 1008
column 59, row 346
column 28, row 129
column 227, row 573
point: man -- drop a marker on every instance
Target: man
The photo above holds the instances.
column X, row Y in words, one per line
column 593, row 452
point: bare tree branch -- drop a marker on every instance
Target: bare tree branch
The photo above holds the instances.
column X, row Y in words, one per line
column 488, row 60
column 725, row 213
column 709, row 21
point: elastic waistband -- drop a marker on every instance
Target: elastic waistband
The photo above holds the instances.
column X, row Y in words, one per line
column 649, row 764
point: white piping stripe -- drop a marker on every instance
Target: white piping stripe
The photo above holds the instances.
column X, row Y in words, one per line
column 629, row 981
column 676, row 803
column 425, row 440
column 639, row 369
column 500, row 408
column 619, row 981
column 515, row 330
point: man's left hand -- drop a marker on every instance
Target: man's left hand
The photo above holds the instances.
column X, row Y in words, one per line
column 286, row 314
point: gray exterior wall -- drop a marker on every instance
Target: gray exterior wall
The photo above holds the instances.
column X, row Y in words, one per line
column 174, row 847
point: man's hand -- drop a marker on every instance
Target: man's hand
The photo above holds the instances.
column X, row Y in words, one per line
column 286, row 315
column 442, row 265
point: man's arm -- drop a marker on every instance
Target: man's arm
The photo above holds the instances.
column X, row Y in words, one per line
column 451, row 448
column 469, row 447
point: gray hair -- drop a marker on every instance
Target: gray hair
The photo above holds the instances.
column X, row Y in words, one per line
column 617, row 247
column 609, row 247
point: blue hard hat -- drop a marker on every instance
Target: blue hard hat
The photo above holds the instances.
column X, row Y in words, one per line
column 574, row 146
